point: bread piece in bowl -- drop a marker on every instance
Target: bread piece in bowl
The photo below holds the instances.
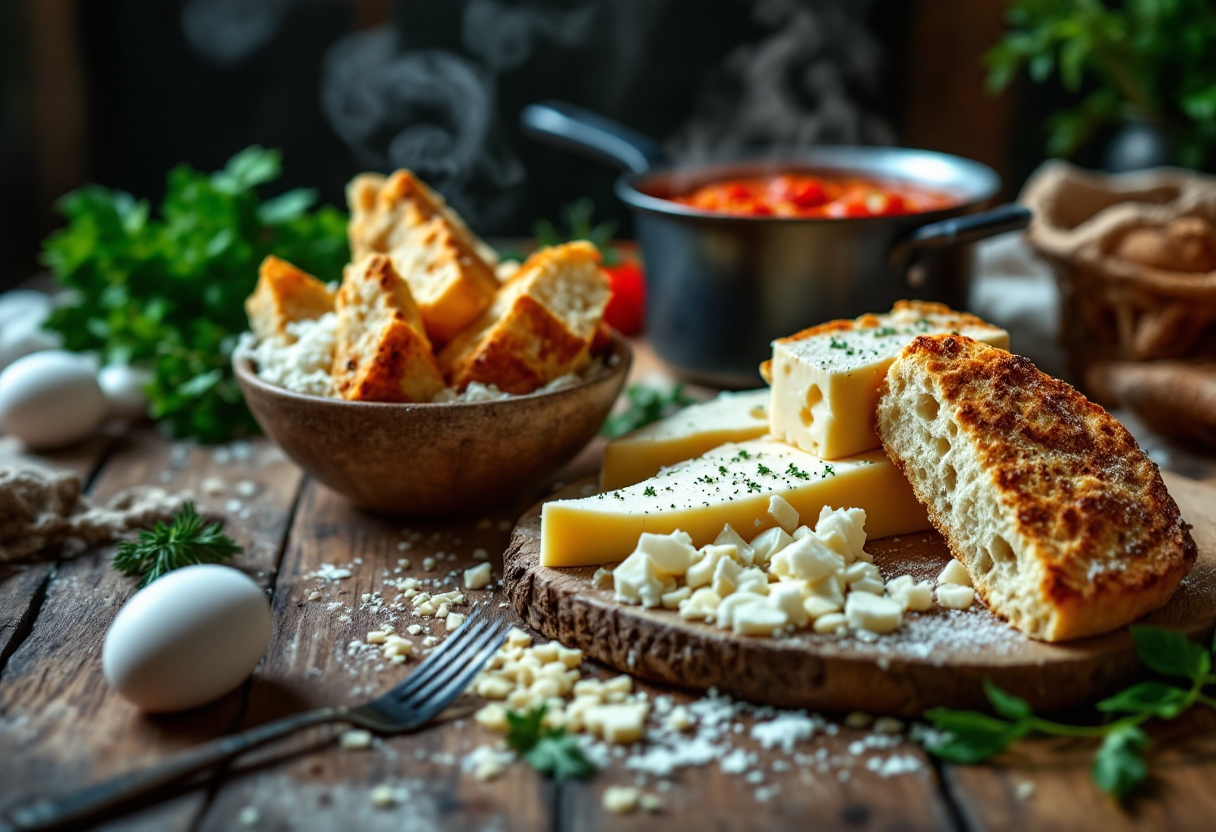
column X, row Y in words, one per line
column 449, row 270
column 1063, row 523
column 541, row 326
column 285, row 294
column 382, row 353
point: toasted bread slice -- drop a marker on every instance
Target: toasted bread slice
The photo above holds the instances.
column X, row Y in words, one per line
column 445, row 264
column 382, row 353
column 285, row 294
column 540, row 327
column 1061, row 520
column 824, row 376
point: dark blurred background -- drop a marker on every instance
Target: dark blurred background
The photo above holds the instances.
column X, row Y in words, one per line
column 118, row 91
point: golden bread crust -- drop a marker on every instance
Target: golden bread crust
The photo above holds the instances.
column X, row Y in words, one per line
column 952, row 319
column 382, row 352
column 431, row 247
column 1089, row 507
column 527, row 339
column 285, row 294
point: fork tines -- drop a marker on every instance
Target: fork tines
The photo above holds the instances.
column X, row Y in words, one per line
column 450, row 668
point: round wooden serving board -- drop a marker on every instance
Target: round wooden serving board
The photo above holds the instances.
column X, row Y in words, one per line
column 939, row 657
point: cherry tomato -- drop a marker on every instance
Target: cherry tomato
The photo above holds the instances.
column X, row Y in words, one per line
column 626, row 310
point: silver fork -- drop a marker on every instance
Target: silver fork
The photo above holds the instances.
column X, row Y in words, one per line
column 421, row 696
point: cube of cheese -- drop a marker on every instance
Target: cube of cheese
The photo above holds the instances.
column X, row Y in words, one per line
column 540, row 327
column 730, row 417
column 866, row 611
column 449, row 270
column 285, row 294
column 825, row 379
column 382, row 353
column 732, row 485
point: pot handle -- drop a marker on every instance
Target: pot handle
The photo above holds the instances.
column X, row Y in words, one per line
column 955, row 231
column 583, row 131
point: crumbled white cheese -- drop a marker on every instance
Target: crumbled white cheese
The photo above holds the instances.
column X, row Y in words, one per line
column 478, row 577
column 954, row 573
column 621, row 800
column 955, row 597
column 356, row 739
column 301, row 365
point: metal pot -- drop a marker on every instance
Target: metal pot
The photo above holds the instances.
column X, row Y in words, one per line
column 720, row 288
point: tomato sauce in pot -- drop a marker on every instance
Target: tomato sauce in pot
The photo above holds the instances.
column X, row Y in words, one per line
column 804, row 195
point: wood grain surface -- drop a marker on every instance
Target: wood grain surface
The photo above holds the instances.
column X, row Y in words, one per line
column 940, row 657
column 60, row 727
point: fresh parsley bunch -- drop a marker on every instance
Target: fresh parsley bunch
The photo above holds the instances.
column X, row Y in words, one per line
column 168, row 291
column 551, row 751
column 1119, row 766
column 184, row 542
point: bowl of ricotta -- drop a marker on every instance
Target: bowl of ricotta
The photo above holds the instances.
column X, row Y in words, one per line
column 461, row 452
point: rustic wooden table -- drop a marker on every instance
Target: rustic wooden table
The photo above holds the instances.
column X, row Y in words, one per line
column 61, row 727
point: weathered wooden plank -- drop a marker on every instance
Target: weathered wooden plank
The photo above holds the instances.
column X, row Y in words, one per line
column 62, row 727
column 1045, row 784
column 22, row 585
column 310, row 664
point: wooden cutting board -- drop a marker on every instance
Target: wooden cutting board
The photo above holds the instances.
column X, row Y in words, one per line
column 940, row 657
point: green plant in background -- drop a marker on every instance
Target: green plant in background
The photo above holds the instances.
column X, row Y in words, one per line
column 1150, row 59
column 168, row 292
column 971, row 737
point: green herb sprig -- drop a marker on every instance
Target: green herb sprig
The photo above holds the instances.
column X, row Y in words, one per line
column 577, row 218
column 646, row 404
column 168, row 292
column 1119, row 765
column 185, row 542
column 551, row 751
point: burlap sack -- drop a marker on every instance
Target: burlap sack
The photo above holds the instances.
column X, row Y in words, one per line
column 1135, row 257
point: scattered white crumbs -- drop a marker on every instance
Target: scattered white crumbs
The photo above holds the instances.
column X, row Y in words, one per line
column 382, row 797
column 620, row 800
column 356, row 739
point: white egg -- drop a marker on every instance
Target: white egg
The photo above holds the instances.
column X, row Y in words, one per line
column 51, row 399
column 187, row 638
column 23, row 304
column 24, row 336
column 124, row 389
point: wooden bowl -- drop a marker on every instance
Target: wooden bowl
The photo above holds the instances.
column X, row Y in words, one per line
column 428, row 459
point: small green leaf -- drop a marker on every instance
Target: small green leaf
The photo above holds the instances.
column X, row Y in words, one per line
column 1170, row 653
column 1155, row 698
column 550, row 751
column 287, row 207
column 559, row 756
column 970, row 736
column 1119, row 765
column 1006, row 704
column 647, row 404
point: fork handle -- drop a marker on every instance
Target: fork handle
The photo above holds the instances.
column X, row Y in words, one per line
column 90, row 803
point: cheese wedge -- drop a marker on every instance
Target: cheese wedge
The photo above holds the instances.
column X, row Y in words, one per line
column 731, row 485
column 825, row 379
column 698, row 428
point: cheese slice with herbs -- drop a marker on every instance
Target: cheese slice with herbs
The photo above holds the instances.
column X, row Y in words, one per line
column 825, row 379
column 732, row 484
column 729, row 417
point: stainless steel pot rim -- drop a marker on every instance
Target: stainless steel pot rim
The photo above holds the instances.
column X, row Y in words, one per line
column 974, row 182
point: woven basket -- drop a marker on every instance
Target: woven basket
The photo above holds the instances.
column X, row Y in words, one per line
column 1115, row 307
